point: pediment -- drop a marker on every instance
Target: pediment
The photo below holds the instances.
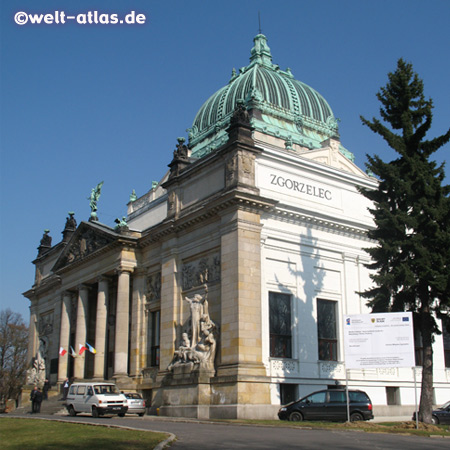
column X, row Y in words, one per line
column 332, row 157
column 88, row 239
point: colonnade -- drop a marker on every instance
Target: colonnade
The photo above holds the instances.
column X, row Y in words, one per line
column 122, row 326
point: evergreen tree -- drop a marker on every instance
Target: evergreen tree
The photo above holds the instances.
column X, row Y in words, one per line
column 412, row 218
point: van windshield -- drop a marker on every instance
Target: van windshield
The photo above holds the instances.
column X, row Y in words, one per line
column 106, row 389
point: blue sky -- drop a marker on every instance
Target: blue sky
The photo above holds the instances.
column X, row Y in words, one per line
column 82, row 104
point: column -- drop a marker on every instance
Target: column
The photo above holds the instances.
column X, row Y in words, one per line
column 80, row 334
column 100, row 328
column 33, row 335
column 64, row 335
column 170, row 302
column 137, row 355
column 122, row 324
column 241, row 340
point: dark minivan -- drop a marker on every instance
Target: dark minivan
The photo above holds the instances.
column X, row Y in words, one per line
column 329, row 405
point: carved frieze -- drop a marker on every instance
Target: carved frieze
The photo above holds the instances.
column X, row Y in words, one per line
column 88, row 242
column 201, row 271
column 46, row 324
column 153, row 287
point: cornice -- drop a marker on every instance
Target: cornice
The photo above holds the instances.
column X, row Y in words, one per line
column 323, row 222
column 208, row 209
column 46, row 285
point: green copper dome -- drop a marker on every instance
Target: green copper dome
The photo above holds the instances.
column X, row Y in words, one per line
column 280, row 106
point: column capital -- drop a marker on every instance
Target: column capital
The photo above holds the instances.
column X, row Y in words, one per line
column 140, row 272
column 83, row 287
column 101, row 278
column 124, row 269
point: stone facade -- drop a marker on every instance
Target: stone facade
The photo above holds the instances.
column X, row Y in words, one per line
column 267, row 231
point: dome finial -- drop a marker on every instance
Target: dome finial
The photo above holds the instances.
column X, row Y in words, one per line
column 260, row 52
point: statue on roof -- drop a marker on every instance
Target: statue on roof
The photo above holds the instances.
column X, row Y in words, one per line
column 240, row 114
column 46, row 240
column 93, row 199
column 121, row 223
column 71, row 223
column 46, row 243
column 181, row 151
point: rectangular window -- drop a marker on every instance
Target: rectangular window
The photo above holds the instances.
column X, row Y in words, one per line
column 418, row 347
column 446, row 339
column 280, row 325
column 326, row 330
column 392, row 395
column 288, row 393
column 153, row 339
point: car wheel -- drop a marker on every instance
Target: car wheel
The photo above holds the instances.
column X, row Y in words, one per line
column 141, row 414
column 121, row 414
column 296, row 417
column 356, row 417
column 434, row 420
column 94, row 412
column 72, row 411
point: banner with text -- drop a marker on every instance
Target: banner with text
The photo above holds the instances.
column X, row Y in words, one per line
column 379, row 340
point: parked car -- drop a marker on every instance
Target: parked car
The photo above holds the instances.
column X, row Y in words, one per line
column 439, row 415
column 95, row 398
column 136, row 404
column 329, row 405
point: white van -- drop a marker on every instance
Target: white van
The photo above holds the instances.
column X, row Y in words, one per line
column 96, row 398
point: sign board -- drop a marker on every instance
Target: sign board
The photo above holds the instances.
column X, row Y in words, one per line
column 379, row 340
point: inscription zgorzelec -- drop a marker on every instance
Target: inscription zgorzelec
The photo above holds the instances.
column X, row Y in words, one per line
column 297, row 186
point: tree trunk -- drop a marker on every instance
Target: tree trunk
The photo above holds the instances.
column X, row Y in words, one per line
column 426, row 395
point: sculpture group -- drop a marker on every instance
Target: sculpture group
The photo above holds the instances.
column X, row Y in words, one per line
column 198, row 350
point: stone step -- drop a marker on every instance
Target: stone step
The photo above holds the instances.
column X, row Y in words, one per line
column 54, row 405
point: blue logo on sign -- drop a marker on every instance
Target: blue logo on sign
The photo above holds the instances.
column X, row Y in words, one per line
column 348, row 320
column 405, row 319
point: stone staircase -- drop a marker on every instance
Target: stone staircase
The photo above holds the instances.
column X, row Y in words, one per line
column 54, row 405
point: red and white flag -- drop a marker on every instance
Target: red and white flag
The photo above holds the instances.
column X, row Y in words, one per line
column 62, row 351
column 82, row 349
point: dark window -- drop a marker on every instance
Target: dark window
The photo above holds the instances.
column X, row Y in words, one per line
column 418, row 347
column 154, row 338
column 392, row 395
column 446, row 339
column 288, row 393
column 280, row 325
column 326, row 330
column 54, row 365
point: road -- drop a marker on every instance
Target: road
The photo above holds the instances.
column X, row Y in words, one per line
column 198, row 435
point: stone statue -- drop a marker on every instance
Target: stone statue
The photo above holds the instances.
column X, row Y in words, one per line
column 200, row 351
column 37, row 373
column 199, row 306
column 240, row 114
column 93, row 199
column 133, row 196
column 46, row 240
column 46, row 243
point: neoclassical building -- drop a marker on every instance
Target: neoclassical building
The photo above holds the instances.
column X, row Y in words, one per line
column 221, row 294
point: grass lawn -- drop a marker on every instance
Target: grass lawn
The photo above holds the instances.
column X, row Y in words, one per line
column 31, row 434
